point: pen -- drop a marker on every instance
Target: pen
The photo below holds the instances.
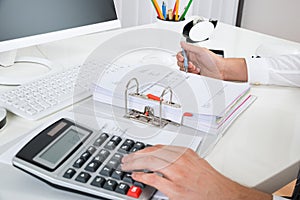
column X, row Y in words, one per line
column 185, row 10
column 164, row 10
column 170, row 14
column 185, row 61
column 157, row 8
column 176, row 11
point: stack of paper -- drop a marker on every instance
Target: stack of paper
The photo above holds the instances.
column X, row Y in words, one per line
column 203, row 103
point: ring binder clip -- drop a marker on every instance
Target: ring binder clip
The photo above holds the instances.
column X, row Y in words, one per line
column 126, row 92
column 148, row 116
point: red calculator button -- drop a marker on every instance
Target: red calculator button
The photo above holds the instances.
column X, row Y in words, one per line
column 134, row 191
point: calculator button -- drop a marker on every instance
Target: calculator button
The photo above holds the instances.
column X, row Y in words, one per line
column 110, row 145
column 85, row 156
column 99, row 141
column 69, row 173
column 78, row 163
column 129, row 142
column 91, row 149
column 139, row 145
column 92, row 166
column 122, row 188
column 98, row 181
column 110, row 185
column 127, row 178
column 117, row 157
column 83, row 177
column 106, row 171
column 124, row 148
column 116, row 139
column 113, row 163
column 139, row 184
column 117, row 174
column 134, row 149
column 134, row 191
column 102, row 155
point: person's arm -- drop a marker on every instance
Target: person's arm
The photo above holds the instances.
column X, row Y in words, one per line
column 281, row 70
column 205, row 62
column 180, row 173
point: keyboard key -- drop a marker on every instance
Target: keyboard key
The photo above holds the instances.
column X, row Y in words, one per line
column 83, row 177
column 98, row 181
column 110, row 185
column 122, row 188
column 69, row 173
column 40, row 98
column 134, row 191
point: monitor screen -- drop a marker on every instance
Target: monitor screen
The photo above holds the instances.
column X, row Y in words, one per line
column 31, row 22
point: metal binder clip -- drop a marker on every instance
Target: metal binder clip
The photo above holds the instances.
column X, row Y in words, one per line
column 148, row 116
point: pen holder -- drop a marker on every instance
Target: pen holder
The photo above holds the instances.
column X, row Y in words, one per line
column 170, row 20
column 171, row 24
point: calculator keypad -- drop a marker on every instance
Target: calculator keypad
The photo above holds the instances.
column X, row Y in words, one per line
column 99, row 166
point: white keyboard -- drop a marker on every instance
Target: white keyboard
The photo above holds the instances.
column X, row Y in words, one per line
column 43, row 97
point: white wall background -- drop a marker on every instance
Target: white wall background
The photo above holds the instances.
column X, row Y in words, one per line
column 280, row 18
column 138, row 12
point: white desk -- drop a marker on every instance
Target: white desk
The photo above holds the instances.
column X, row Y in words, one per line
column 261, row 148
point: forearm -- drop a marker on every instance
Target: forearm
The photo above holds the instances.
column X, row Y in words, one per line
column 235, row 69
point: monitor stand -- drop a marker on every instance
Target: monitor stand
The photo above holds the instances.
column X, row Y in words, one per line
column 17, row 70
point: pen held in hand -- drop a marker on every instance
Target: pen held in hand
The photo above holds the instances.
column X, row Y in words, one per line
column 185, row 61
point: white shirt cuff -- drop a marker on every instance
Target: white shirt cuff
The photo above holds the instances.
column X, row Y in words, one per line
column 278, row 198
column 257, row 69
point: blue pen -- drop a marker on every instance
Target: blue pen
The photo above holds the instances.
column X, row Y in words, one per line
column 164, row 10
column 185, row 61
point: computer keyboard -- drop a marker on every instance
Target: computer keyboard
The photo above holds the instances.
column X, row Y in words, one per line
column 40, row 98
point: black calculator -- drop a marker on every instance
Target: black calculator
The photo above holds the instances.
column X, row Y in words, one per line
column 73, row 157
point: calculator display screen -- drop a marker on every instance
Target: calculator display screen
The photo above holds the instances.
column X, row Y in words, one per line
column 62, row 146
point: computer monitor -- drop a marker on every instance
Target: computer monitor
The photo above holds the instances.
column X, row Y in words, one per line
column 26, row 23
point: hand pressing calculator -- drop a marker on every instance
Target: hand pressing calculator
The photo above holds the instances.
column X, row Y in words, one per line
column 72, row 157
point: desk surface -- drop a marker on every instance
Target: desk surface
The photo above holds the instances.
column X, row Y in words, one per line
column 260, row 149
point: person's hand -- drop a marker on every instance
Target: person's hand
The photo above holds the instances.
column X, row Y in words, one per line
column 201, row 61
column 204, row 62
column 180, row 173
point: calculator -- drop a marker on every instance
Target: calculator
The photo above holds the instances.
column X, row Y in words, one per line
column 73, row 157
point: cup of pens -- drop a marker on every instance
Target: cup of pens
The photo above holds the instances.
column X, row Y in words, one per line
column 168, row 14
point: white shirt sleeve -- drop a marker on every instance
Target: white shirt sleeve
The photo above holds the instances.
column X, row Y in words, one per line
column 282, row 70
column 278, row 198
